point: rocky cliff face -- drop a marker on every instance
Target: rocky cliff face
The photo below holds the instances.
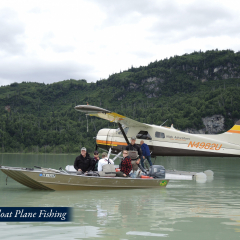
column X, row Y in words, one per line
column 152, row 86
column 217, row 73
column 213, row 125
column 221, row 72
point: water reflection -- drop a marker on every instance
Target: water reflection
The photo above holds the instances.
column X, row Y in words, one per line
column 184, row 210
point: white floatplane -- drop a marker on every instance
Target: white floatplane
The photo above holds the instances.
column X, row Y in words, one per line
column 163, row 141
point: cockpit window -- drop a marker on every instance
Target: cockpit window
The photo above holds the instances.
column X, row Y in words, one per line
column 159, row 135
column 125, row 130
column 143, row 135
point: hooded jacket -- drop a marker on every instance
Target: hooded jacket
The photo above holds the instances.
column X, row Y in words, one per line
column 83, row 163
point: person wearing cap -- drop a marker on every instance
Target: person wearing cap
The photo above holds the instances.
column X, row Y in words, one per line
column 134, row 147
column 104, row 161
column 83, row 162
column 95, row 161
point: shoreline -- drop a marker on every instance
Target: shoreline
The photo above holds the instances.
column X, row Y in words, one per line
column 43, row 153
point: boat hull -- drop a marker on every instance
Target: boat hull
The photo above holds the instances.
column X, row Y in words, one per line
column 44, row 180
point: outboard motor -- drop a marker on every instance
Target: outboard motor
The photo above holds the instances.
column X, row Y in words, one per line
column 157, row 171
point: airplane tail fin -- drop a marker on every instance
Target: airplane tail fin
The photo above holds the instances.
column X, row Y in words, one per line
column 232, row 135
column 235, row 128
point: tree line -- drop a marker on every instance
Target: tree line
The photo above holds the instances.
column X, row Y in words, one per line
column 36, row 117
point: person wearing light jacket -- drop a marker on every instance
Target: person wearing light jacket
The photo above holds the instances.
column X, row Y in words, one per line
column 104, row 161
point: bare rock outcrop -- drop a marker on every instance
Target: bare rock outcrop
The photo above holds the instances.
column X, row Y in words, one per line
column 213, row 125
column 153, row 79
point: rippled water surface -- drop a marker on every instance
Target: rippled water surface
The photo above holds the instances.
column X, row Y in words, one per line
column 183, row 210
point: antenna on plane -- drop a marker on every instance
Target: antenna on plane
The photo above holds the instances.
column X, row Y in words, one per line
column 163, row 123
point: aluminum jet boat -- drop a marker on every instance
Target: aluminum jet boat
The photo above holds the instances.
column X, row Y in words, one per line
column 52, row 179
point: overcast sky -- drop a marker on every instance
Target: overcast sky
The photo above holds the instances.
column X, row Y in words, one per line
column 54, row 40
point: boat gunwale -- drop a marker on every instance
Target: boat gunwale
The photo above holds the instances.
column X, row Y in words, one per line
column 75, row 175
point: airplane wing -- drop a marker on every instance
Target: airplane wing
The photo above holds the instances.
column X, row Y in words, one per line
column 109, row 116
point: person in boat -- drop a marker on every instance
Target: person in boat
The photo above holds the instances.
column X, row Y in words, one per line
column 134, row 147
column 126, row 165
column 104, row 161
column 83, row 162
column 95, row 161
column 145, row 153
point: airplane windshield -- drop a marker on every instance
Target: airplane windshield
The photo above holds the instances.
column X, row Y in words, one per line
column 125, row 130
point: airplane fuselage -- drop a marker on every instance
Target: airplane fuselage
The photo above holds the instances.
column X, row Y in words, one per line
column 164, row 141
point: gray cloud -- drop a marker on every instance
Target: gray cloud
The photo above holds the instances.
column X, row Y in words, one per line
column 124, row 11
column 48, row 43
column 143, row 54
column 174, row 21
column 36, row 71
column 62, row 48
column 195, row 20
column 24, row 68
column 11, row 33
column 35, row 10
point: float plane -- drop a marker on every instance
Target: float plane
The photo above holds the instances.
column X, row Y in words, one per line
column 163, row 141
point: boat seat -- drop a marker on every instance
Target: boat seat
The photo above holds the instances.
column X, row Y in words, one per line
column 70, row 168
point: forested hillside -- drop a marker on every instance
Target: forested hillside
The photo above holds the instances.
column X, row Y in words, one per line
column 184, row 89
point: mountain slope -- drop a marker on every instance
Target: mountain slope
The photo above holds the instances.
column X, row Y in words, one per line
column 183, row 89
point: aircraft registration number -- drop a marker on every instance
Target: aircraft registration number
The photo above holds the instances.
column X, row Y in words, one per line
column 210, row 146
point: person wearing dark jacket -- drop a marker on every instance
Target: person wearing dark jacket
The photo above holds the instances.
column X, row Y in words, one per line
column 134, row 147
column 83, row 162
column 95, row 161
column 145, row 153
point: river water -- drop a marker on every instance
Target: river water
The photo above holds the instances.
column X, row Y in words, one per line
column 182, row 210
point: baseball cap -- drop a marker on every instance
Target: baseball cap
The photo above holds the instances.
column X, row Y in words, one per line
column 133, row 138
column 83, row 149
column 95, row 153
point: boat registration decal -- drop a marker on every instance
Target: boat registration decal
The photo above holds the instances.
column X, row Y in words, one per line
column 163, row 183
column 47, row 175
